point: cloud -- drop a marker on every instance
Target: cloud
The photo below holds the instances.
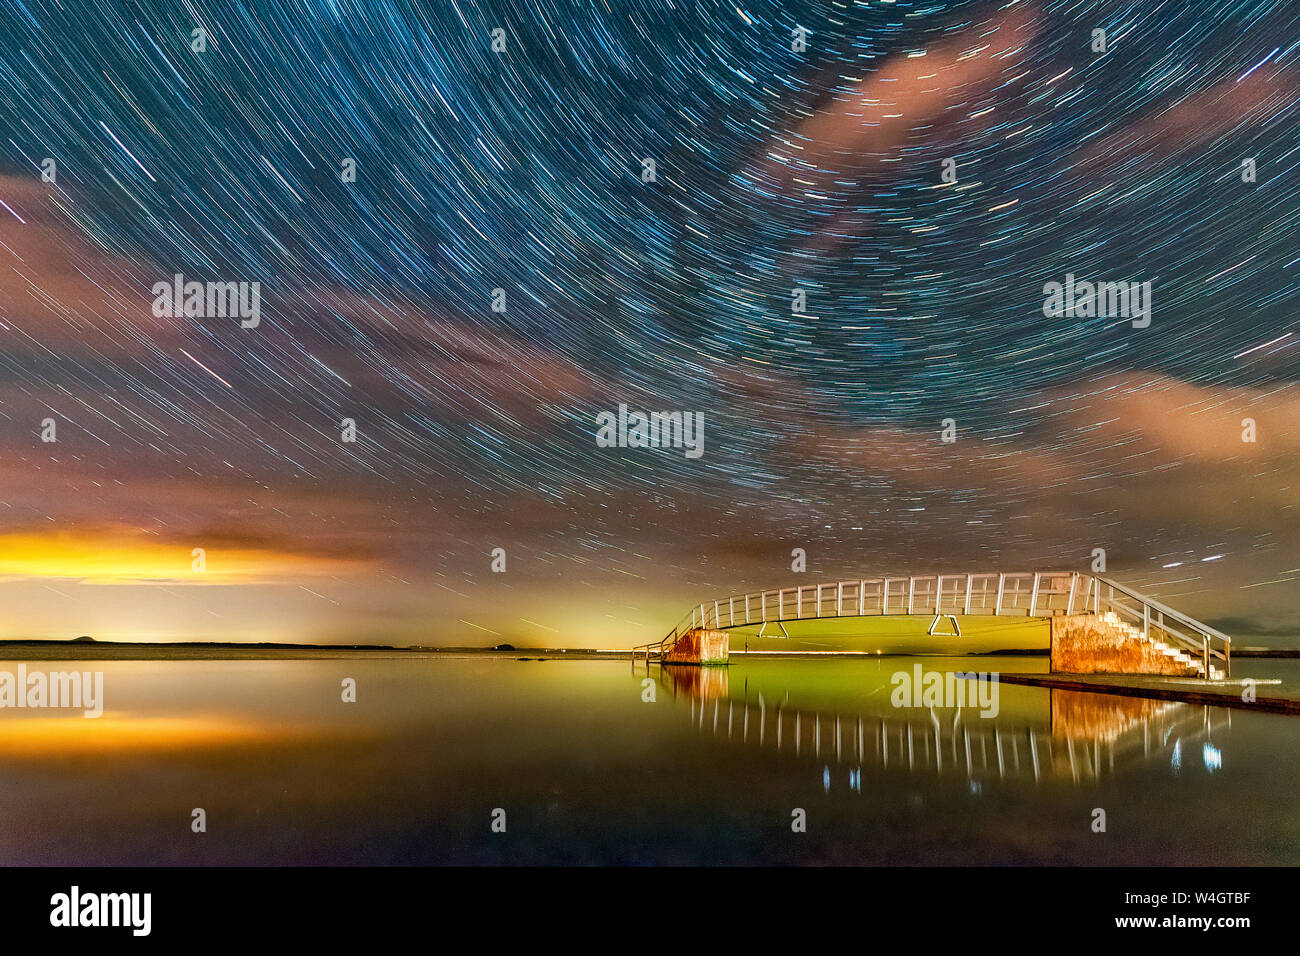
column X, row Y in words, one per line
column 1120, row 431
column 69, row 307
column 60, row 291
column 847, row 143
column 1193, row 123
column 853, row 132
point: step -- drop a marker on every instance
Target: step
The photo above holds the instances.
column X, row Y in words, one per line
column 1192, row 662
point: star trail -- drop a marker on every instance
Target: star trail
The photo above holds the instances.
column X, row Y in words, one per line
column 460, row 251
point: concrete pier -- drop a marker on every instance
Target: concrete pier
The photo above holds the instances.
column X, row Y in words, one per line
column 1091, row 644
column 1262, row 695
column 699, row 646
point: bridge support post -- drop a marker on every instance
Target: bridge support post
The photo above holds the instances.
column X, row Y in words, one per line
column 956, row 628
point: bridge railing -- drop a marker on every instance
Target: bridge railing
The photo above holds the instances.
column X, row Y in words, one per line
column 1028, row 593
column 1017, row 593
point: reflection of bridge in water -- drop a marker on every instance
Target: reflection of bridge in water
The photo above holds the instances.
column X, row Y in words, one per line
column 1089, row 736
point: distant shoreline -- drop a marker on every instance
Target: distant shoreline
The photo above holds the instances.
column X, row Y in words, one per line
column 197, row 650
column 225, row 650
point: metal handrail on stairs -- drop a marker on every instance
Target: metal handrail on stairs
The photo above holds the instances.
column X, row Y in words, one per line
column 1202, row 641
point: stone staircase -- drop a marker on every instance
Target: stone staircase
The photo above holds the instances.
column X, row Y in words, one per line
column 1191, row 665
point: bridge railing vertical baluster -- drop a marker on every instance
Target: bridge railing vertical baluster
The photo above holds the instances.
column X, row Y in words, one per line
column 839, row 599
column 967, row 604
column 862, row 598
column 1033, row 594
column 1002, row 580
column 911, row 593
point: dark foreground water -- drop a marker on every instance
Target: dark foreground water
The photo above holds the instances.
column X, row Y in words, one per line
column 592, row 762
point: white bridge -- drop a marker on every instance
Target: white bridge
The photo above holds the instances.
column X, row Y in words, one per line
column 944, row 597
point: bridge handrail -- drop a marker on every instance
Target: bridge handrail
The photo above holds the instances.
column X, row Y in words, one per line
column 1166, row 610
column 657, row 647
column 699, row 615
column 1205, row 647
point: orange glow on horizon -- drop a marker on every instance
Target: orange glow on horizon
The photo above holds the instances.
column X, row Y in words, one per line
column 122, row 557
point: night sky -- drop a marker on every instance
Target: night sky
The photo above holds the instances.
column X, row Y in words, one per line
column 775, row 169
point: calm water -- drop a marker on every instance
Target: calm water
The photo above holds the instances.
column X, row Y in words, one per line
column 588, row 771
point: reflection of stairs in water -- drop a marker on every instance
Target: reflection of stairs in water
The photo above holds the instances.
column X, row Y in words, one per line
column 695, row 682
column 1083, row 716
column 951, row 743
